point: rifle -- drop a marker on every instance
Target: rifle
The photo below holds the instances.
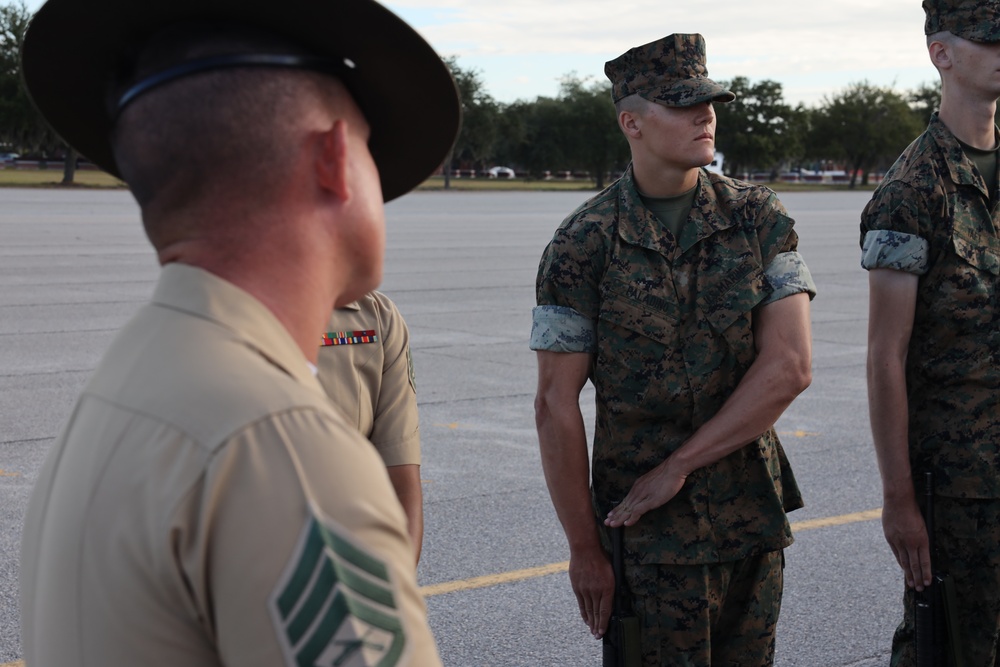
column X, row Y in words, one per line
column 621, row 641
column 935, row 618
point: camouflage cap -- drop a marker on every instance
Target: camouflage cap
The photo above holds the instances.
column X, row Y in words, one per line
column 670, row 71
column 974, row 20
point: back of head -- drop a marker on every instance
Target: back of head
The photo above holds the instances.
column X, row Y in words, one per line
column 78, row 54
column 216, row 134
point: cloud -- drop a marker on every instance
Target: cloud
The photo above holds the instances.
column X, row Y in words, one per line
column 843, row 41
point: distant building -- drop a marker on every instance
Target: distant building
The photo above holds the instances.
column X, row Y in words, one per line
column 716, row 165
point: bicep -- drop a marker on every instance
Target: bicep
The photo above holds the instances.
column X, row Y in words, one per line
column 891, row 308
column 784, row 327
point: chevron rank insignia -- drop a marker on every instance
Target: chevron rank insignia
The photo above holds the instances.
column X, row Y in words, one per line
column 349, row 337
column 334, row 605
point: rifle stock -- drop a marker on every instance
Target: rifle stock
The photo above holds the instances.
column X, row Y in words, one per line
column 935, row 618
column 621, row 641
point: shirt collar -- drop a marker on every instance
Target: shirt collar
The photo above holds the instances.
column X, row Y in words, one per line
column 638, row 226
column 202, row 294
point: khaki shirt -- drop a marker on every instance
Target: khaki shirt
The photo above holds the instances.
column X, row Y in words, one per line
column 205, row 505
column 669, row 322
column 366, row 368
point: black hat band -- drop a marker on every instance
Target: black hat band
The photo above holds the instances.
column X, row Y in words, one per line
column 324, row 65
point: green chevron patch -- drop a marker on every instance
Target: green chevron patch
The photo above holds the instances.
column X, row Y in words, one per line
column 334, row 605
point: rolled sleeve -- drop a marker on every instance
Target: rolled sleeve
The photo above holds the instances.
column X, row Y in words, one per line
column 561, row 329
column 788, row 274
column 886, row 249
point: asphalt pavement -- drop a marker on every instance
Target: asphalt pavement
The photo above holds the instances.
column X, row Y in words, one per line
column 74, row 265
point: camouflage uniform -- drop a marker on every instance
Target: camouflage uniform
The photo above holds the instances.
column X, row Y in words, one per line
column 932, row 216
column 669, row 324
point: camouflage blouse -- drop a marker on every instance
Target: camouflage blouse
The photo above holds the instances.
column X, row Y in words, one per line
column 932, row 216
column 669, row 322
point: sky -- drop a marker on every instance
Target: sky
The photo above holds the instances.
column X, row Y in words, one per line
column 521, row 49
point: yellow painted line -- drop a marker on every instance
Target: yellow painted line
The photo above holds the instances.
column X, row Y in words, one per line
column 18, row 663
column 556, row 568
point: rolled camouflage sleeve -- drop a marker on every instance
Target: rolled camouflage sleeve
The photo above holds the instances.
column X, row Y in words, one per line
column 561, row 329
column 886, row 249
column 891, row 231
column 788, row 274
column 567, row 292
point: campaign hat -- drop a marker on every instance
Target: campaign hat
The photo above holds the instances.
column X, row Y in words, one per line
column 75, row 51
column 974, row 20
column 670, row 71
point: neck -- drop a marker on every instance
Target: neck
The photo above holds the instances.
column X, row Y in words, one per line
column 658, row 180
column 293, row 283
column 970, row 120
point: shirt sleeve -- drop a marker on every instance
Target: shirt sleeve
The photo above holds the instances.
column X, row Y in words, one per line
column 299, row 552
column 561, row 329
column 567, row 291
column 891, row 231
column 396, row 428
column 788, row 274
column 784, row 267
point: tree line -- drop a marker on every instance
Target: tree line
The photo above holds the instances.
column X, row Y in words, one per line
column 861, row 128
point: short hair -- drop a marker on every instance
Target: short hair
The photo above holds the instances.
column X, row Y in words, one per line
column 216, row 131
column 941, row 36
column 633, row 103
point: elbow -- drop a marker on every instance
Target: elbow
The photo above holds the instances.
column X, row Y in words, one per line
column 543, row 410
column 800, row 372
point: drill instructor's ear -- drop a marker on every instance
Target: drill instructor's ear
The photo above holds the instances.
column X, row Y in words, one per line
column 331, row 160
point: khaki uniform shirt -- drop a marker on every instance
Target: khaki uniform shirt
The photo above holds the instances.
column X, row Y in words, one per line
column 206, row 505
column 669, row 322
column 366, row 368
column 932, row 216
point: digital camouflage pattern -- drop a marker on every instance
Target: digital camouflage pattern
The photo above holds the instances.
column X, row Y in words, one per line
column 678, row 605
column 961, row 529
column 670, row 71
column 935, row 194
column 974, row 20
column 672, row 323
column 935, row 201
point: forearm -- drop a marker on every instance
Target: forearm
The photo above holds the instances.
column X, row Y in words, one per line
column 562, row 439
column 406, row 481
column 767, row 389
column 781, row 371
column 889, row 415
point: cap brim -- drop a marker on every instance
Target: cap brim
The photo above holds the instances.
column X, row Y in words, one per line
column 73, row 48
column 689, row 92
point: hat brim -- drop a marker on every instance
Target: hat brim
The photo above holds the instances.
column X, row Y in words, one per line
column 73, row 50
column 689, row 92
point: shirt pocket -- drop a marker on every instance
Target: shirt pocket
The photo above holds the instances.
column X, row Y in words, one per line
column 638, row 336
column 728, row 302
column 977, row 246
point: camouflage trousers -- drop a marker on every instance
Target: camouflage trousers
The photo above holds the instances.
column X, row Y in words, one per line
column 967, row 545
column 721, row 614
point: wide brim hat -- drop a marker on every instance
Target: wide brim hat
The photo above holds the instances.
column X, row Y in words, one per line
column 74, row 50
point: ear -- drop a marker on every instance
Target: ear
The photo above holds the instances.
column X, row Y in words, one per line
column 630, row 123
column 940, row 54
column 331, row 160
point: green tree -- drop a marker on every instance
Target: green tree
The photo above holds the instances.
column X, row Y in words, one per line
column 755, row 131
column 865, row 126
column 925, row 100
column 589, row 133
column 480, row 112
column 22, row 128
